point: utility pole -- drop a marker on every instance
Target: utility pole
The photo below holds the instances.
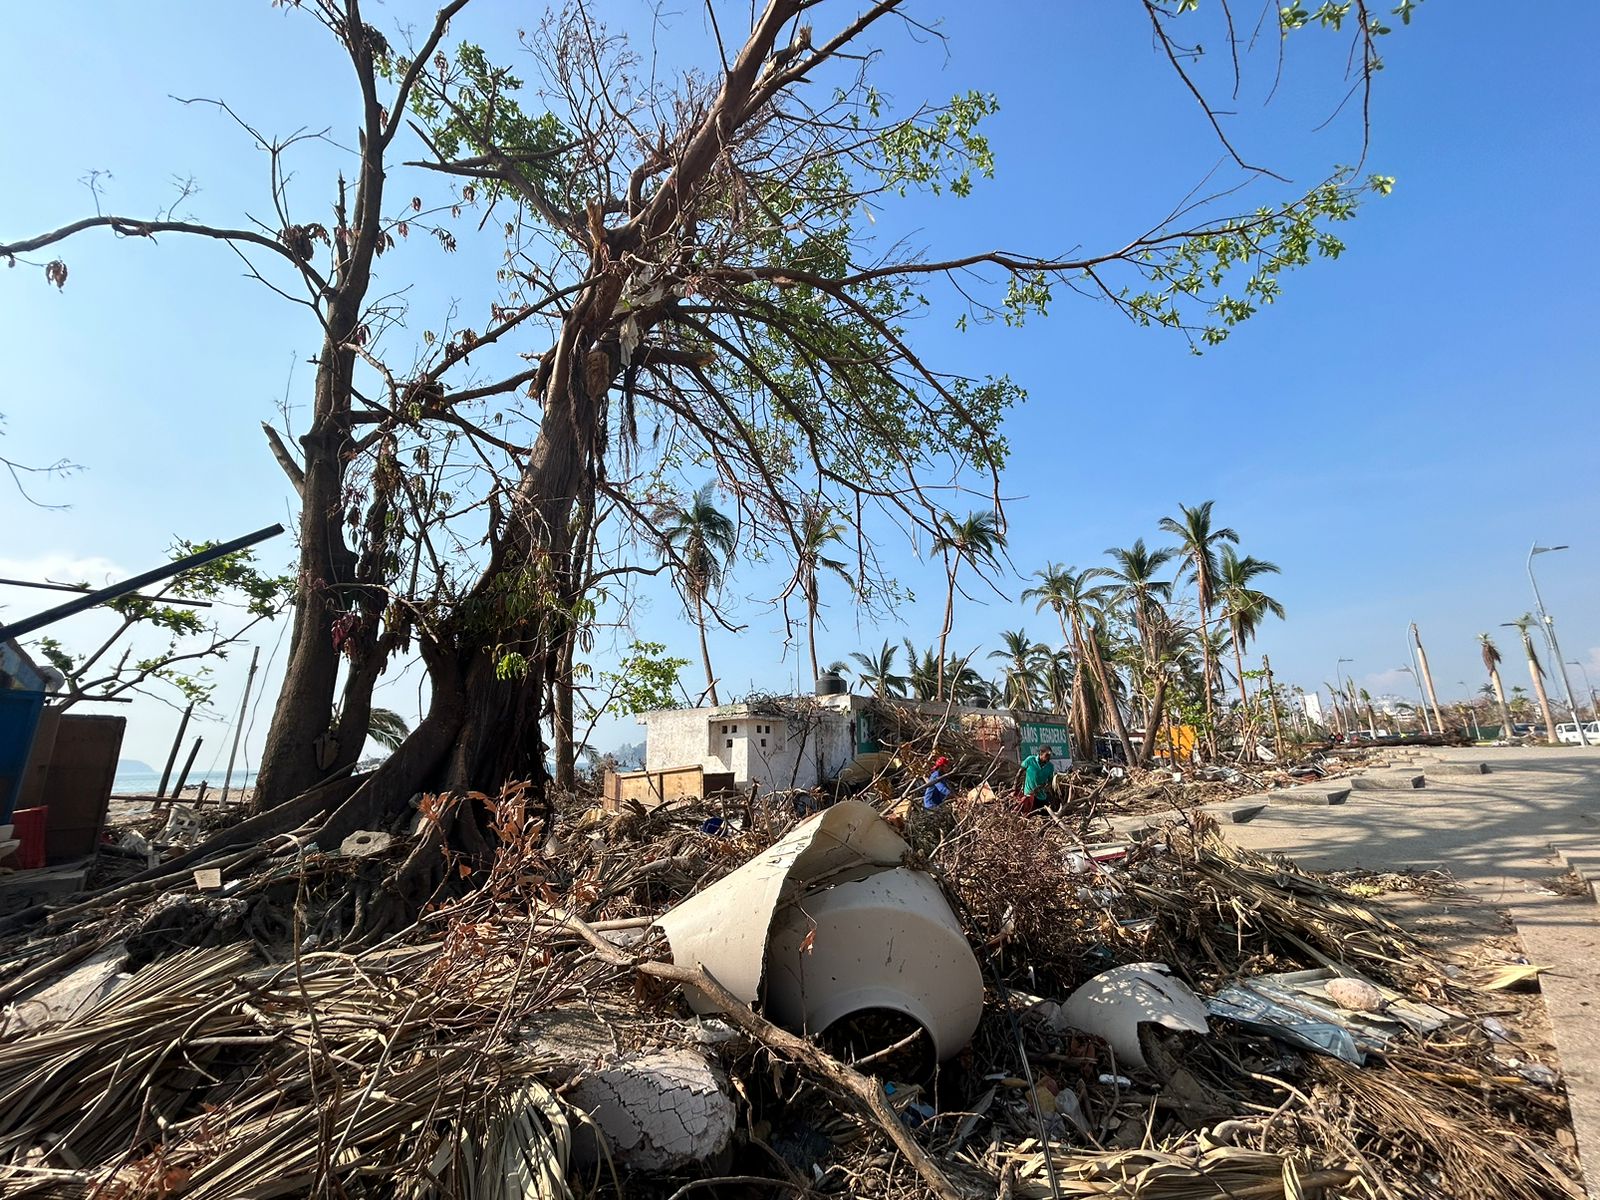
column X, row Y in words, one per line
column 1550, row 637
column 238, row 730
column 1427, row 677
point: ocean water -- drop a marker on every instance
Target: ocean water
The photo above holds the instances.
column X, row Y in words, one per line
column 129, row 781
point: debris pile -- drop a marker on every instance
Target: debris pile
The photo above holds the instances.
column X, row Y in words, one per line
column 1166, row 1019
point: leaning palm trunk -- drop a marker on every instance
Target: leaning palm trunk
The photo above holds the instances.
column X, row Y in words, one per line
column 705, row 653
column 1537, row 673
column 1156, row 712
column 1238, row 661
column 1109, row 696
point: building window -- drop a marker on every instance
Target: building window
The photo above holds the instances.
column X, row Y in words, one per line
column 763, row 741
column 730, row 743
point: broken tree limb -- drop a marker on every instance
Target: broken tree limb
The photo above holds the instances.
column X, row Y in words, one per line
column 869, row 1093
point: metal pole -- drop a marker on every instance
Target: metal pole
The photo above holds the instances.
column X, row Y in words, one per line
column 1416, row 680
column 238, row 730
column 1594, row 705
column 84, row 589
column 177, row 744
column 1555, row 647
column 167, row 571
column 177, row 792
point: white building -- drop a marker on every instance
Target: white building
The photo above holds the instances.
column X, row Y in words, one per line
column 803, row 743
column 776, row 745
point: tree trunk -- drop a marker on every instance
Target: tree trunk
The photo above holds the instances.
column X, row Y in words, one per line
column 1208, row 669
column 562, row 724
column 1158, row 702
column 1238, row 659
column 1500, row 700
column 1550, row 734
column 705, row 652
column 811, row 637
column 1108, row 696
column 293, row 760
column 949, row 621
column 1427, row 678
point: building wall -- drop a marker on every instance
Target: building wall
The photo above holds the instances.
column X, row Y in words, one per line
column 753, row 746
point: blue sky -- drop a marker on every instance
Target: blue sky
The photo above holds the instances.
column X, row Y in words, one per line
column 1394, row 433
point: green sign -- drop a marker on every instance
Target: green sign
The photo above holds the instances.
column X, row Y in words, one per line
column 1036, row 737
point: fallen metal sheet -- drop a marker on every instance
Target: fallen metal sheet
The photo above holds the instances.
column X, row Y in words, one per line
column 1296, row 1005
column 1114, row 1004
column 1249, row 1008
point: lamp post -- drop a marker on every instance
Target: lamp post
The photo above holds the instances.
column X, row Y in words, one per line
column 1594, row 706
column 1422, row 701
column 1339, row 699
column 1550, row 636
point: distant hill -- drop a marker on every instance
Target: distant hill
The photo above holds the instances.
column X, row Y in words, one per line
column 132, row 766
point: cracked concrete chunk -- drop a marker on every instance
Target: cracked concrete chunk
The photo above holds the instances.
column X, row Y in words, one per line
column 655, row 1111
column 364, row 842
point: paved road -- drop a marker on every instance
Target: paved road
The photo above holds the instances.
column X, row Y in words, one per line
column 1493, row 833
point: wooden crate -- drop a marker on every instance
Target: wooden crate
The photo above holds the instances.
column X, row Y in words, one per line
column 652, row 788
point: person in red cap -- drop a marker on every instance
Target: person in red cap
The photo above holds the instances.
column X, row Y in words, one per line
column 937, row 791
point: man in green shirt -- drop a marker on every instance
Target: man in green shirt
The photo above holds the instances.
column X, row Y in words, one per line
column 1037, row 772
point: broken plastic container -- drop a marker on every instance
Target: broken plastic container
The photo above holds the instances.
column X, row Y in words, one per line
column 829, row 925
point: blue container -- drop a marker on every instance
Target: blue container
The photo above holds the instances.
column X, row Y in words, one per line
column 19, row 721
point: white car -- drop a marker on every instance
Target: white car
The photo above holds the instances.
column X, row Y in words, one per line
column 1568, row 733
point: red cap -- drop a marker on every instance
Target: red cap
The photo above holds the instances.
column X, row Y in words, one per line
column 940, row 763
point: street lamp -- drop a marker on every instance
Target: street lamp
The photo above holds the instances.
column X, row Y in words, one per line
column 1594, row 706
column 1422, row 701
column 1550, row 636
column 1339, row 700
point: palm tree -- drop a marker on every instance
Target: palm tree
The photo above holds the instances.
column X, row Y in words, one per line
column 388, row 728
column 1523, row 624
column 1491, row 663
column 977, row 538
column 1244, row 606
column 1138, row 588
column 878, row 673
column 1019, row 681
column 1079, row 607
column 924, row 672
column 1197, row 546
column 701, row 540
column 819, row 529
column 1055, row 669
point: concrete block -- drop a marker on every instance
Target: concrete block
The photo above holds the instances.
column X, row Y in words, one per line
column 1311, row 795
column 1582, row 860
column 1236, row 812
column 1460, row 768
column 1387, row 781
